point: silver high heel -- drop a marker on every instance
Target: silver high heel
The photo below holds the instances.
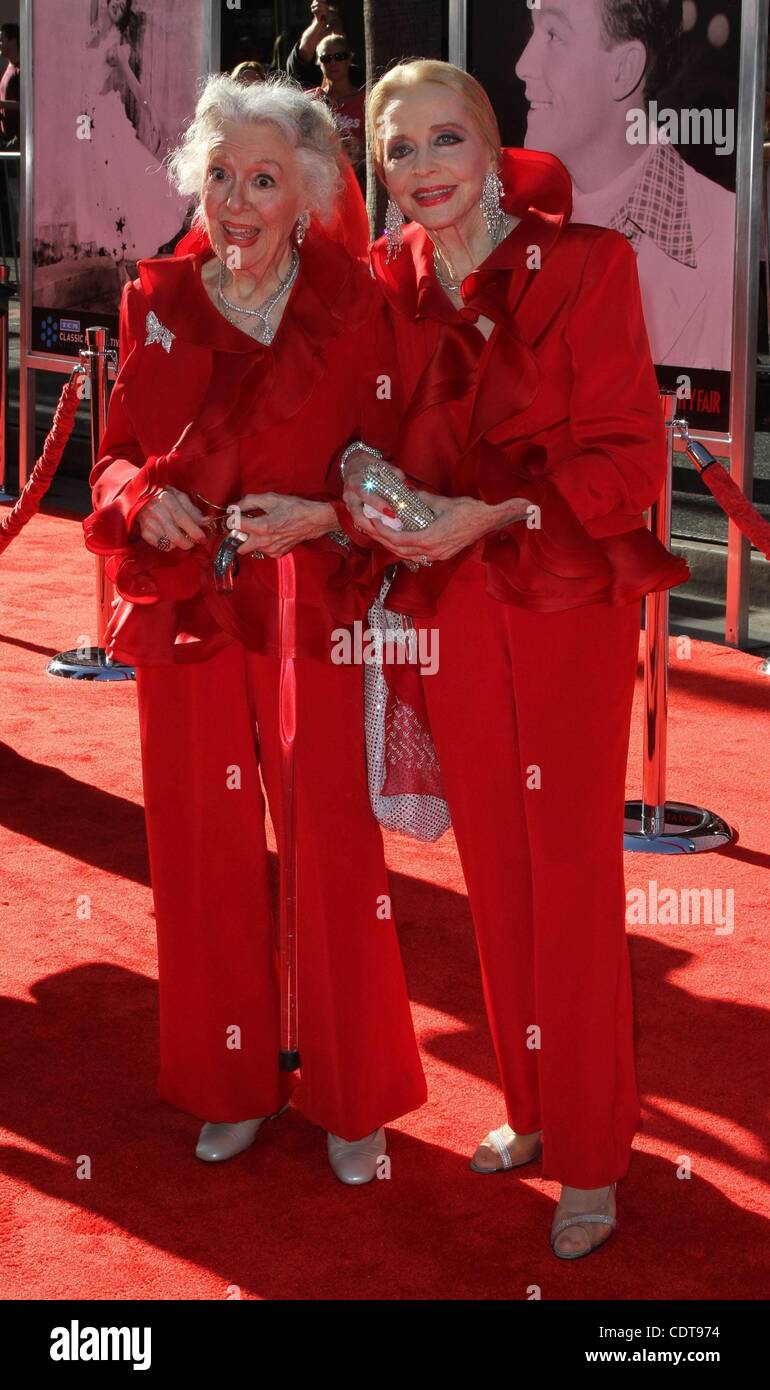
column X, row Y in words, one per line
column 356, row 1161
column 500, row 1139
column 217, row 1142
column 579, row 1218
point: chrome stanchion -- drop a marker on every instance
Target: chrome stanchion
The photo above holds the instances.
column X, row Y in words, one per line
column 655, row 825
column 91, row 662
column 10, row 476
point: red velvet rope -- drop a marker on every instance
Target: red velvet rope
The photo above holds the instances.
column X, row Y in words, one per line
column 737, row 507
column 716, row 478
column 41, row 475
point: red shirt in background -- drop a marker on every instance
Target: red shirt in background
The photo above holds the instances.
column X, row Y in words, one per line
column 349, row 114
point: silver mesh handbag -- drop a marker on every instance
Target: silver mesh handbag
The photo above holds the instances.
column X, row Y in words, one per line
column 395, row 738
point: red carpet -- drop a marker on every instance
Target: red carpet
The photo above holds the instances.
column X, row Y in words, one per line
column 80, row 1045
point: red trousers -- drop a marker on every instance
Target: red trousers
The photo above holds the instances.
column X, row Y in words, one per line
column 206, row 724
column 530, row 714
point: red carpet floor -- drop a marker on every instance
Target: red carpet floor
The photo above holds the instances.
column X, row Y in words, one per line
column 79, row 1034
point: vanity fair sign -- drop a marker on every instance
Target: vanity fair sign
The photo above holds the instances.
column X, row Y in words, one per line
column 657, row 165
column 114, row 83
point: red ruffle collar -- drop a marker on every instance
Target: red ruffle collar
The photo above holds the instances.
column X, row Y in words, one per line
column 329, row 295
column 263, row 384
column 538, row 190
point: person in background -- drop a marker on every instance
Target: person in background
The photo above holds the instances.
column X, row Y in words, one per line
column 301, row 62
column 10, row 125
column 10, row 87
column 248, row 72
column 346, row 102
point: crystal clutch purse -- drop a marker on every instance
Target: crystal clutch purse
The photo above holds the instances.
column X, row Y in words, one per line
column 413, row 514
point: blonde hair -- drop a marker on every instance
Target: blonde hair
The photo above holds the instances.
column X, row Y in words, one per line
column 332, row 38
column 412, row 72
column 307, row 125
column 248, row 65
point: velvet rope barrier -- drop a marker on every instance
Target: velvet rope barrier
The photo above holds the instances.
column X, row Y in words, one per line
column 727, row 493
column 42, row 474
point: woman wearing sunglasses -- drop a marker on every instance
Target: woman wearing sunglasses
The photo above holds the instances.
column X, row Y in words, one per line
column 243, row 369
column 347, row 103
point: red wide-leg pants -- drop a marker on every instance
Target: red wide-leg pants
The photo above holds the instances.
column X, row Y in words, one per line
column 530, row 714
column 206, row 731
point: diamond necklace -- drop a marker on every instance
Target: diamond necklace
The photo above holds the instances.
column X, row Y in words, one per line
column 267, row 332
column 454, row 285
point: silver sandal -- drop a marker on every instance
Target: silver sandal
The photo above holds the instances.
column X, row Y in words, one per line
column 498, row 1139
column 580, row 1218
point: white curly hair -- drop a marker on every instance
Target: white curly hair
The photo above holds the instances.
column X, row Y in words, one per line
column 307, row 125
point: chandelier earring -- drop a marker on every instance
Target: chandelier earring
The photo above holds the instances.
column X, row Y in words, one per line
column 394, row 221
column 492, row 192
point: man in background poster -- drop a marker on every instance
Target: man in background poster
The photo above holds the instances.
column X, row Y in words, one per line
column 591, row 69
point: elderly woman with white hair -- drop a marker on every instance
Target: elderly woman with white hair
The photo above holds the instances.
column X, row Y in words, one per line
column 247, row 361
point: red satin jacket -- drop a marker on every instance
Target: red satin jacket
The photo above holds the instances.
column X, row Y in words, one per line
column 211, row 410
column 560, row 405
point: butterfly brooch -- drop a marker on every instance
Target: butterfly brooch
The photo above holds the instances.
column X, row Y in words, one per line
column 158, row 333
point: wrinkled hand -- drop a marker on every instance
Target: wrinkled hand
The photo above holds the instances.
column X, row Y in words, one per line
column 354, row 498
column 170, row 513
column 286, row 522
column 460, row 522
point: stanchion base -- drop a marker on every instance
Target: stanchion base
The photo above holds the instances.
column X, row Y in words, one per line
column 288, row 1061
column 687, row 830
column 89, row 664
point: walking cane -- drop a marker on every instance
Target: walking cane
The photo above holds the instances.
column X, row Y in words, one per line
column 288, row 1057
column 226, row 566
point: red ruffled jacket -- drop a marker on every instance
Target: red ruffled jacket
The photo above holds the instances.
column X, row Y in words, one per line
column 560, row 406
column 212, row 410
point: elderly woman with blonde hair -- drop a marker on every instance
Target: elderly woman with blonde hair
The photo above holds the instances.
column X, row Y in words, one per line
column 247, row 361
column 532, row 427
